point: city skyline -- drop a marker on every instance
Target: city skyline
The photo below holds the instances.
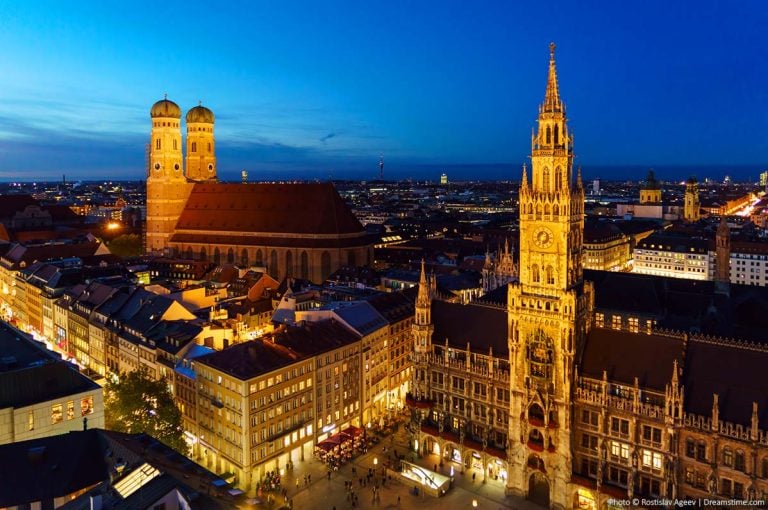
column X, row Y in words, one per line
column 305, row 92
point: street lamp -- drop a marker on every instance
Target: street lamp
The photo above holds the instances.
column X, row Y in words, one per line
column 375, row 461
column 474, row 503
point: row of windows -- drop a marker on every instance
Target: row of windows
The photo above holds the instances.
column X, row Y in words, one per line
column 57, row 411
column 736, row 459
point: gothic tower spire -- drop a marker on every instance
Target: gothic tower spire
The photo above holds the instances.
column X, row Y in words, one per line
column 552, row 101
column 549, row 308
column 422, row 325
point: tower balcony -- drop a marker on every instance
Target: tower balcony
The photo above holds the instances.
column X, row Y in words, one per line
column 413, row 401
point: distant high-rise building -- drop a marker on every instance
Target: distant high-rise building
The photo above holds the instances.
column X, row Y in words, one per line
column 381, row 167
column 244, row 176
column 764, row 178
column 596, row 186
column 444, row 179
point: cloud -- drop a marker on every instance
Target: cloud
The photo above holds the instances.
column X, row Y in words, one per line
column 327, row 137
column 40, row 140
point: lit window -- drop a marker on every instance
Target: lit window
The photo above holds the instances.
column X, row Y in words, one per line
column 57, row 414
column 86, row 406
column 70, row 409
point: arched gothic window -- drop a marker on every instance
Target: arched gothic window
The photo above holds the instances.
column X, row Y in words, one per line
column 545, row 179
column 535, row 278
column 535, row 412
column 244, row 258
column 273, row 263
column 550, row 276
column 288, row 263
column 325, row 264
column 557, row 134
column 304, row 265
column 549, row 135
column 558, row 178
column 231, row 256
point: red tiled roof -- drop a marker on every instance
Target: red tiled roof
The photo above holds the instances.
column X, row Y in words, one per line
column 314, row 208
column 210, row 237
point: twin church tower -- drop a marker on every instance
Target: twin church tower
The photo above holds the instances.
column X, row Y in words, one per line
column 170, row 176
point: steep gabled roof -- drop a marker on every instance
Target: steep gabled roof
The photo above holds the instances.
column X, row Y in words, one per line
column 295, row 208
column 482, row 326
column 735, row 373
column 624, row 356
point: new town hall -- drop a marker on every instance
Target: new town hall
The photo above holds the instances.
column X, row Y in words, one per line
column 573, row 395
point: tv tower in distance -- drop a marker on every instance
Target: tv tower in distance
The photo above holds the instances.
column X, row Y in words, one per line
column 381, row 168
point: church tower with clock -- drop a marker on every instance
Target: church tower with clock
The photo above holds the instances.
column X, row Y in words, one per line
column 549, row 310
column 167, row 187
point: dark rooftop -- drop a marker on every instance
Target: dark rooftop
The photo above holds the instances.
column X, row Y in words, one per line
column 737, row 387
column 29, row 373
column 624, row 356
column 482, row 326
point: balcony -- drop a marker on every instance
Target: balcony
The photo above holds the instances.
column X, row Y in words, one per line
column 418, row 402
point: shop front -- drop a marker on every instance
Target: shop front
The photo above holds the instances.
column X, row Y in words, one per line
column 584, row 499
column 423, row 479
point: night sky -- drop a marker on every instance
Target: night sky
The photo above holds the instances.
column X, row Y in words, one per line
column 319, row 89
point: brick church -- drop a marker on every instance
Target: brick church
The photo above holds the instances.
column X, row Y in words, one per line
column 304, row 230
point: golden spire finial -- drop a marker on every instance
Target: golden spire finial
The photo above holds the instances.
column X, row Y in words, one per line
column 552, row 96
column 165, row 96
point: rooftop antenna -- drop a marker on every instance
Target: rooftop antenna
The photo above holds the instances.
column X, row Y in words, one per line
column 381, row 167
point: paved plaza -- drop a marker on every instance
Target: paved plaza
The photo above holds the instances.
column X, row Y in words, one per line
column 323, row 493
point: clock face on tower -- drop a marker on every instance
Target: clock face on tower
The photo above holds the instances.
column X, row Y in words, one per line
column 542, row 237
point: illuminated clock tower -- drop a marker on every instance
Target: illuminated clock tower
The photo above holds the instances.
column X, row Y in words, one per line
column 549, row 310
column 167, row 188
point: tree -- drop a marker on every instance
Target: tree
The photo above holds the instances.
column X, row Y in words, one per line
column 126, row 245
column 135, row 402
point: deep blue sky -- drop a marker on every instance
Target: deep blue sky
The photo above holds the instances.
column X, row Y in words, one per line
column 311, row 89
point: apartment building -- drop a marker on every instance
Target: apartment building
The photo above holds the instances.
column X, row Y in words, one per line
column 676, row 256
column 32, row 405
column 255, row 402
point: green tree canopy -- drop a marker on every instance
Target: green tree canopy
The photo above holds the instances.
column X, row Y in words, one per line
column 136, row 403
column 126, row 245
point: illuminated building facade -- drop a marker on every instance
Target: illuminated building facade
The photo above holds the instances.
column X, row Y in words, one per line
column 573, row 406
